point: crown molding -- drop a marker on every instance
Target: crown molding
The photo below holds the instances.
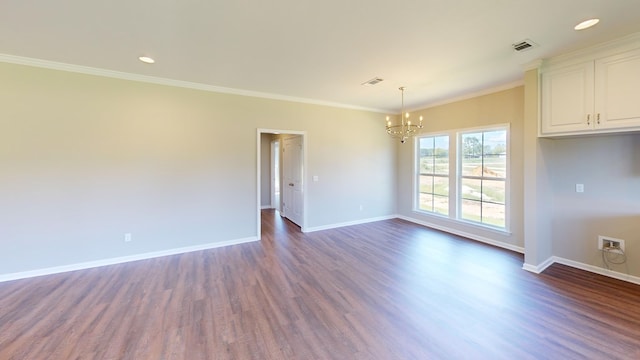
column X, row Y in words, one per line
column 471, row 95
column 608, row 48
column 532, row 65
column 87, row 70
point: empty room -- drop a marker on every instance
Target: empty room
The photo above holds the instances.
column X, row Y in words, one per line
column 320, row 179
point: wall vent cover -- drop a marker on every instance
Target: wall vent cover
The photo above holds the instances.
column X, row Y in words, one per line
column 373, row 81
column 524, row 45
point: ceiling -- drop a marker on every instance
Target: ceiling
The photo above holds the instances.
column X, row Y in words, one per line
column 317, row 50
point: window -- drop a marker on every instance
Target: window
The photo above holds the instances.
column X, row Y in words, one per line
column 481, row 175
column 433, row 174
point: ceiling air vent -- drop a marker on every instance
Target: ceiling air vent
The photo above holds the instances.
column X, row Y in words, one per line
column 524, row 45
column 373, row 81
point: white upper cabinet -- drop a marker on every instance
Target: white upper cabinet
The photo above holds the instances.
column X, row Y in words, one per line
column 567, row 99
column 597, row 95
column 617, row 90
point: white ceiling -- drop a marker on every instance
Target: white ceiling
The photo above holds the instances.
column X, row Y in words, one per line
column 320, row 50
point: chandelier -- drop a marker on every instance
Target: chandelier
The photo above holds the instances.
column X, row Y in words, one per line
column 404, row 128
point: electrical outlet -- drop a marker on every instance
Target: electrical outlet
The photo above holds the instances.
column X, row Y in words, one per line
column 607, row 243
column 127, row 237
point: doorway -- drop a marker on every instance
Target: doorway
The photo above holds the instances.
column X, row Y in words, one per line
column 275, row 175
column 281, row 174
column 292, row 190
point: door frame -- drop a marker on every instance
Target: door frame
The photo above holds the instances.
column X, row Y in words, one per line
column 275, row 175
column 305, row 152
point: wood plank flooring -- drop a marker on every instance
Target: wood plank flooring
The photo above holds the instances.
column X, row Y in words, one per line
column 385, row 290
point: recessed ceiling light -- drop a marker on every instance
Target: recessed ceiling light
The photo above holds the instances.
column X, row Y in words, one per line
column 586, row 24
column 146, row 59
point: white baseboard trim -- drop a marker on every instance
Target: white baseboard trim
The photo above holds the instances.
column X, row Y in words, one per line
column 539, row 268
column 582, row 266
column 124, row 259
column 471, row 236
column 120, row 260
column 597, row 270
column 263, row 207
column 348, row 223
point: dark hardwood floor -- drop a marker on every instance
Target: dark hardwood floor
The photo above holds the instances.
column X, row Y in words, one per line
column 384, row 290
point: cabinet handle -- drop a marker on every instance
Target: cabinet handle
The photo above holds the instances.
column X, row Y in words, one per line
column 588, row 119
column 598, row 118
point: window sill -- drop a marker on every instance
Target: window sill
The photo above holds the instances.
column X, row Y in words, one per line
column 503, row 232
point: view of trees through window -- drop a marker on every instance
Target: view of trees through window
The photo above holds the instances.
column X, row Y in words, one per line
column 480, row 174
column 434, row 174
column 483, row 176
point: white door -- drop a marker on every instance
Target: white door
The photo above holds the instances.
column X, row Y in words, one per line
column 292, row 179
column 275, row 174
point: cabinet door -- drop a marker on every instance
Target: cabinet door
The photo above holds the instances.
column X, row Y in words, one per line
column 567, row 99
column 617, row 84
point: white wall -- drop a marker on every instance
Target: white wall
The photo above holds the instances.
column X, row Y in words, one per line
column 564, row 224
column 265, row 170
column 86, row 159
column 609, row 168
column 538, row 199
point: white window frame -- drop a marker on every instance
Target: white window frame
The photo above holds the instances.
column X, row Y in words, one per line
column 459, row 176
column 455, row 176
column 416, row 172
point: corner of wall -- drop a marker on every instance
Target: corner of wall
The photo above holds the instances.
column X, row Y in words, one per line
column 537, row 237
